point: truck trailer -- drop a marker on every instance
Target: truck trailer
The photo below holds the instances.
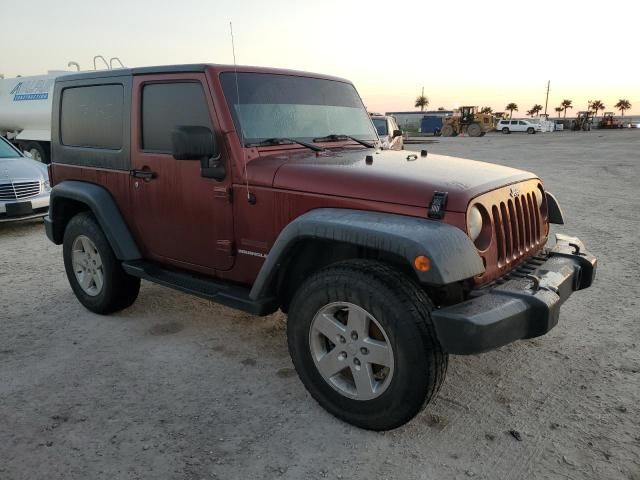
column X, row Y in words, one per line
column 25, row 112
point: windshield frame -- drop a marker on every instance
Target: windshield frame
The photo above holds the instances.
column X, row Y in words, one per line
column 230, row 94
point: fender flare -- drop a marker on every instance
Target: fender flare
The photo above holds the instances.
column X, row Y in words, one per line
column 104, row 208
column 453, row 255
column 555, row 212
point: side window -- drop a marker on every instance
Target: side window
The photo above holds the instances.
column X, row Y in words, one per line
column 166, row 106
column 514, row 122
column 92, row 116
column 522, row 123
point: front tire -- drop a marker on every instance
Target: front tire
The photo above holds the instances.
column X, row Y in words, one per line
column 95, row 274
column 506, row 130
column 448, row 131
column 361, row 339
column 531, row 131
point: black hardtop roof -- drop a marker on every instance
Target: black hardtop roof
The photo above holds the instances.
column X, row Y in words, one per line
column 120, row 72
column 187, row 68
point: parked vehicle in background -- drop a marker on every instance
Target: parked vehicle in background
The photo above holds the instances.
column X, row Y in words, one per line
column 264, row 189
column 508, row 126
column 388, row 131
column 467, row 120
column 583, row 121
column 25, row 113
column 610, row 122
column 24, row 185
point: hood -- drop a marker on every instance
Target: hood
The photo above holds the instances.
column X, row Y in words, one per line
column 401, row 177
column 21, row 168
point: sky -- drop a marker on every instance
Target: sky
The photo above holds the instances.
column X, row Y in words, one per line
column 485, row 53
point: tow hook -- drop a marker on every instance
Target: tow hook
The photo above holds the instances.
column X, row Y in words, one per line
column 537, row 284
column 577, row 249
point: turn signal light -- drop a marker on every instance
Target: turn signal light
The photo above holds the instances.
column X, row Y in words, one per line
column 422, row 263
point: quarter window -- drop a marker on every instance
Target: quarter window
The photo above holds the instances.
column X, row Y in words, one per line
column 92, row 116
column 166, row 106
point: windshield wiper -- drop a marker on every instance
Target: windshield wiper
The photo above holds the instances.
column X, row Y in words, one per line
column 336, row 138
column 285, row 141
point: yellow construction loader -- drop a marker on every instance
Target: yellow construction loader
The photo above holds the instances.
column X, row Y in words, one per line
column 468, row 120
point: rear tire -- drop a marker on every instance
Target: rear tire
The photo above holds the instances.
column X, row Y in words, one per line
column 474, row 130
column 38, row 151
column 398, row 315
column 95, row 274
column 531, row 131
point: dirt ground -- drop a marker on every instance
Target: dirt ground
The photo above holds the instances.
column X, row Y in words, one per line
column 178, row 388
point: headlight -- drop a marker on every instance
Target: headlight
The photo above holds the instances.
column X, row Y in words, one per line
column 539, row 197
column 474, row 222
column 46, row 185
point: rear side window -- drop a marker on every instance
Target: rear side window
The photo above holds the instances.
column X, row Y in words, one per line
column 92, row 116
column 166, row 106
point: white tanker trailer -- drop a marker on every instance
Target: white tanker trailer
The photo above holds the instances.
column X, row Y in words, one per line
column 25, row 112
column 26, row 107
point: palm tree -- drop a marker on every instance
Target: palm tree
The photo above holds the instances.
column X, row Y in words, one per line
column 535, row 110
column 622, row 105
column 511, row 107
column 566, row 104
column 421, row 101
column 597, row 105
column 488, row 110
column 559, row 110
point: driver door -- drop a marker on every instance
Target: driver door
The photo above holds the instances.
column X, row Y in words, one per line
column 181, row 217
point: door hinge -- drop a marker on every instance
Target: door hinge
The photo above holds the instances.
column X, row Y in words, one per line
column 224, row 192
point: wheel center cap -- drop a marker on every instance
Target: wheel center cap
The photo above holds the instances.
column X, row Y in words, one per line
column 353, row 348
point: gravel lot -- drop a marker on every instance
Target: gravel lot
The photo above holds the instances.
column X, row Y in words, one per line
column 179, row 388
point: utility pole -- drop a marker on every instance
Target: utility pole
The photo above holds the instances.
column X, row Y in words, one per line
column 546, row 103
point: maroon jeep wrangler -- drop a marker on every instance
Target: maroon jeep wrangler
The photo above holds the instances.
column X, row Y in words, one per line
column 266, row 189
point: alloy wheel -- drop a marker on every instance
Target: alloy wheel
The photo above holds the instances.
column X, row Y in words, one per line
column 87, row 265
column 351, row 350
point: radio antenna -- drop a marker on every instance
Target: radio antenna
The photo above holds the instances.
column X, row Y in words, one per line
column 244, row 157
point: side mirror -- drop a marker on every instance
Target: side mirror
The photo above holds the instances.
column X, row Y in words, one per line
column 190, row 142
column 397, row 133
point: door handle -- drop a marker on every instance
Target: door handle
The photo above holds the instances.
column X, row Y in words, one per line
column 144, row 174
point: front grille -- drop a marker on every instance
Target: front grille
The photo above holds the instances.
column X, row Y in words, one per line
column 518, row 229
column 19, row 190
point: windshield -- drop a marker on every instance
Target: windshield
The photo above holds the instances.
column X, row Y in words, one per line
column 301, row 108
column 7, row 151
column 381, row 126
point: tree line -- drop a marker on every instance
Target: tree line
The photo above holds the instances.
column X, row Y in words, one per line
column 593, row 105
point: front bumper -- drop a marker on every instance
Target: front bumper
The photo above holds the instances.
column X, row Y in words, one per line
column 24, row 209
column 525, row 304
